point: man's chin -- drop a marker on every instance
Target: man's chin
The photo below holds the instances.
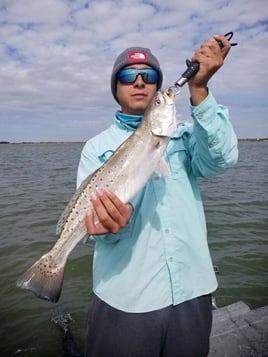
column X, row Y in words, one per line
column 139, row 108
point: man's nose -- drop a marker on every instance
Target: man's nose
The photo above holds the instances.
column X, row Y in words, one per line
column 139, row 81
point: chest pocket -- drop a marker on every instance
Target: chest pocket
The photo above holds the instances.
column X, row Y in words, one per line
column 178, row 158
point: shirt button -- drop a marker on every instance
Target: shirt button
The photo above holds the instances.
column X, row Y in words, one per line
column 167, row 230
column 171, row 259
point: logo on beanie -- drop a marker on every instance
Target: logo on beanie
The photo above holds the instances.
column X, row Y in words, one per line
column 137, row 57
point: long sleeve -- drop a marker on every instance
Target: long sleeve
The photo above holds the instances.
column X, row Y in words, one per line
column 213, row 143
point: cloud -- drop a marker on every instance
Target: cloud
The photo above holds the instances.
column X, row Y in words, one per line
column 56, row 58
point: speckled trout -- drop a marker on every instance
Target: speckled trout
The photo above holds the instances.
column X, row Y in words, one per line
column 125, row 173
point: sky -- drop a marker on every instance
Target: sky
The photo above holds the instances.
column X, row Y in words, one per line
column 56, row 58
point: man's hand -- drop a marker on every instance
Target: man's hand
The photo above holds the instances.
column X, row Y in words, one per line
column 111, row 213
column 210, row 56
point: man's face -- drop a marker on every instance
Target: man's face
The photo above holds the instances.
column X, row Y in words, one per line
column 135, row 97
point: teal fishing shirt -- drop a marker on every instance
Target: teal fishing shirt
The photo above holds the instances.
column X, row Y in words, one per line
column 162, row 257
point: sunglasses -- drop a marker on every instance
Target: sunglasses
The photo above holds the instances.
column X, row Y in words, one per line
column 129, row 75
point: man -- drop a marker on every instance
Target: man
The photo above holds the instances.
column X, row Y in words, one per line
column 152, row 271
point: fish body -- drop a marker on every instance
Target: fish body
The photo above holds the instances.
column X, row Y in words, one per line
column 125, row 173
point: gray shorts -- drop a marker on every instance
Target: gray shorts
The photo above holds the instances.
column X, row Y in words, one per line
column 175, row 331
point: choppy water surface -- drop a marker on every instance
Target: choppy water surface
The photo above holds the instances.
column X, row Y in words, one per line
column 36, row 182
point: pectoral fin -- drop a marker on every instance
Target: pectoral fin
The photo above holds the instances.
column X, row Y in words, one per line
column 163, row 168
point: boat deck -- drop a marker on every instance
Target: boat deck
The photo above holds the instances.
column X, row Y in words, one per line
column 238, row 331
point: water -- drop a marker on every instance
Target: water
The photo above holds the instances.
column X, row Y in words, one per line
column 36, row 182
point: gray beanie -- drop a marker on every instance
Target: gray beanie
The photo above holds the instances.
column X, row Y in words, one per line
column 131, row 56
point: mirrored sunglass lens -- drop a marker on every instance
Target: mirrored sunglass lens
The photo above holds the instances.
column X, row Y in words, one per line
column 149, row 76
column 126, row 76
column 130, row 75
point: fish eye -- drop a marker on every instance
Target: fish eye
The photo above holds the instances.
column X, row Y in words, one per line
column 157, row 101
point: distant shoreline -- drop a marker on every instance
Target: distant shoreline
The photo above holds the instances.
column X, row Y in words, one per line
column 253, row 139
column 81, row 142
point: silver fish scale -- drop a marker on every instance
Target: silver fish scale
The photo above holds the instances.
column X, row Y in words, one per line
column 74, row 215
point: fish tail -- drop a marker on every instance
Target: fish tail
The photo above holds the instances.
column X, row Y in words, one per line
column 44, row 278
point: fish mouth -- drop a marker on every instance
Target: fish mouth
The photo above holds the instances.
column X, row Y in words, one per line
column 168, row 95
